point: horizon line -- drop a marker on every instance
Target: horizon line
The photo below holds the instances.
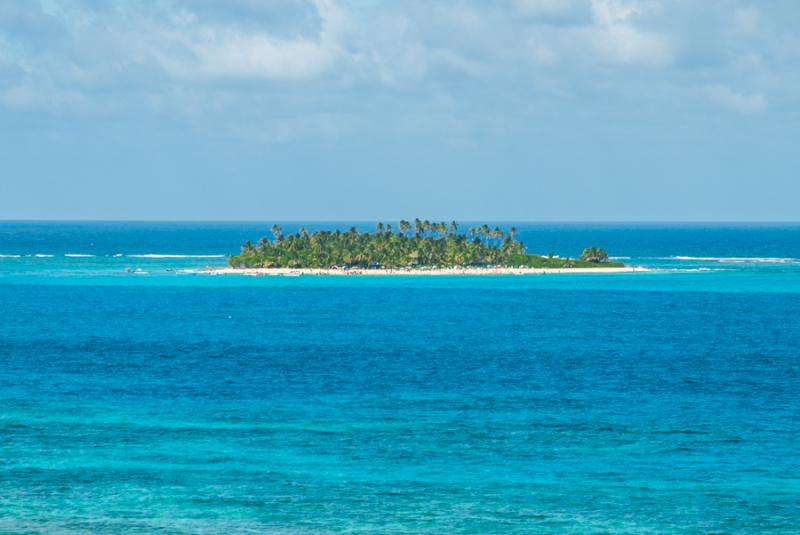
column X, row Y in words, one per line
column 470, row 220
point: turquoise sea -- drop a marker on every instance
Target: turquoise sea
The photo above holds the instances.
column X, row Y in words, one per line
column 138, row 396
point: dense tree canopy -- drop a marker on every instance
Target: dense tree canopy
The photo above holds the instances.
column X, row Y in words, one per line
column 417, row 244
column 595, row 255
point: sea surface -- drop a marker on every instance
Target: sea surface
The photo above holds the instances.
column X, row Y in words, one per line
column 139, row 395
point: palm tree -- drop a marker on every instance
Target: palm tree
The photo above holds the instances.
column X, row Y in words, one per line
column 432, row 244
column 594, row 254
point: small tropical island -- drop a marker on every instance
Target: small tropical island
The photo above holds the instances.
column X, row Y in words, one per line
column 418, row 247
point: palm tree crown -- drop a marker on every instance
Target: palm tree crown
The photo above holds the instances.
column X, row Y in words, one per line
column 431, row 244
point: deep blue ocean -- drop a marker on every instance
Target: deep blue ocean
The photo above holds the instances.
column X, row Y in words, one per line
column 138, row 395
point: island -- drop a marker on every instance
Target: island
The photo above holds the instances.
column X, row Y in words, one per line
column 417, row 248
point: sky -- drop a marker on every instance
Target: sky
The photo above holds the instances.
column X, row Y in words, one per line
column 510, row 110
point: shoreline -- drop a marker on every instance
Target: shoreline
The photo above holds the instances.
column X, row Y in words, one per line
column 295, row 272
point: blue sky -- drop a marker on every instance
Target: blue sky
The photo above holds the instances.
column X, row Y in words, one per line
column 507, row 110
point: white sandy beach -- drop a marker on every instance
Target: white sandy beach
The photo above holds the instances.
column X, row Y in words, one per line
column 260, row 272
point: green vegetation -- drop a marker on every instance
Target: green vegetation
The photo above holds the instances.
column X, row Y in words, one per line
column 594, row 254
column 417, row 244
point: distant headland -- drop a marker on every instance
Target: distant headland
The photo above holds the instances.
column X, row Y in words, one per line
column 418, row 247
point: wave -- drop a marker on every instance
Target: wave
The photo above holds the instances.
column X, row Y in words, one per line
column 736, row 259
column 698, row 270
column 79, row 255
column 41, row 255
column 176, row 256
column 10, row 256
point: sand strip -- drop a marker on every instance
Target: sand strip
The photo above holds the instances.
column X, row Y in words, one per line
column 260, row 272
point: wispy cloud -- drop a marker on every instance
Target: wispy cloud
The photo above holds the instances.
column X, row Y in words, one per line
column 741, row 102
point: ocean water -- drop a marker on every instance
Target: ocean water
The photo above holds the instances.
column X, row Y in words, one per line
column 138, row 395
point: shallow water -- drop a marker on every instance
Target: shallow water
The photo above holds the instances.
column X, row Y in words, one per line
column 163, row 401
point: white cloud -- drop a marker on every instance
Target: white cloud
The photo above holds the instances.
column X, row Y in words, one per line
column 543, row 7
column 193, row 49
column 746, row 19
column 459, row 63
column 612, row 12
column 541, row 53
column 229, row 53
column 616, row 39
column 183, row 57
column 745, row 103
column 17, row 97
column 625, row 44
column 611, row 33
column 28, row 97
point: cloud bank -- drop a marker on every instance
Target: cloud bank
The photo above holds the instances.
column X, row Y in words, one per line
column 317, row 58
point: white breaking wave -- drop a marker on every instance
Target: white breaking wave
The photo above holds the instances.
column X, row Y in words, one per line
column 736, row 260
column 9, row 256
column 40, row 255
column 79, row 255
column 697, row 270
column 176, row 256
